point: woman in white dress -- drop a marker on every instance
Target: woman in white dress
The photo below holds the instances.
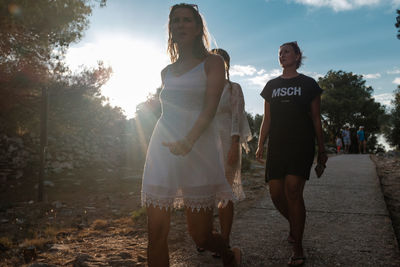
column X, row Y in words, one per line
column 235, row 132
column 184, row 163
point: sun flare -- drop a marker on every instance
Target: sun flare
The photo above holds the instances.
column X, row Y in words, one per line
column 136, row 65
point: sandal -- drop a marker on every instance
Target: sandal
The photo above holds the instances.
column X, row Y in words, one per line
column 217, row 255
column 290, row 239
column 293, row 261
column 200, row 250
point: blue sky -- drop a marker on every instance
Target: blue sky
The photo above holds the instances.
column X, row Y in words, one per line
column 349, row 35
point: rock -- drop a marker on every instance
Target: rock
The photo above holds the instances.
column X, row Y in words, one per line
column 57, row 204
column 80, row 260
column 29, row 254
column 122, row 263
column 3, row 247
column 58, row 247
column 141, row 258
column 48, row 183
column 125, row 255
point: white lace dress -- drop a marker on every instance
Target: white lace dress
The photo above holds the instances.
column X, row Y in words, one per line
column 197, row 179
column 232, row 120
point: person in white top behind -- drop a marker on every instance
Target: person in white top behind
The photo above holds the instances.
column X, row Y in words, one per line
column 235, row 132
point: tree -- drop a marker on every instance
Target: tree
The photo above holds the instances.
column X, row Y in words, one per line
column 394, row 132
column 140, row 129
column 34, row 38
column 347, row 100
column 398, row 23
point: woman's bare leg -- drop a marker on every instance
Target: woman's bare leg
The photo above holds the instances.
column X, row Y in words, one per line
column 200, row 226
column 294, row 186
column 158, row 223
column 278, row 196
column 225, row 215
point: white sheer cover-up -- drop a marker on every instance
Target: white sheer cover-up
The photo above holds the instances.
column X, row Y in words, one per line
column 197, row 179
column 232, row 120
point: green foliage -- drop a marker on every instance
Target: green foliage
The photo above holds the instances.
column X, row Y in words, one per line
column 347, row 100
column 394, row 132
column 34, row 38
column 76, row 106
column 34, row 29
column 140, row 130
column 137, row 214
column 255, row 124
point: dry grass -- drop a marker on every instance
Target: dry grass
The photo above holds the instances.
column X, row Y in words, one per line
column 38, row 243
column 137, row 214
column 42, row 237
column 100, row 224
column 51, row 231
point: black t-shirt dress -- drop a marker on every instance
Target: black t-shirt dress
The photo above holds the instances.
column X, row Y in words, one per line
column 291, row 140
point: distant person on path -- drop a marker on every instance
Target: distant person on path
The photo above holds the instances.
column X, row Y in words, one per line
column 184, row 164
column 346, row 139
column 339, row 144
column 362, row 142
column 291, row 122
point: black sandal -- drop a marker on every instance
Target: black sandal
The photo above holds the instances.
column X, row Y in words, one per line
column 293, row 260
column 199, row 249
column 217, row 255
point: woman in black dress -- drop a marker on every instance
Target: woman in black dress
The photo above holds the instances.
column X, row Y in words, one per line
column 292, row 123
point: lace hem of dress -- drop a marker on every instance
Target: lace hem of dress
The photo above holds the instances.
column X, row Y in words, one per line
column 220, row 200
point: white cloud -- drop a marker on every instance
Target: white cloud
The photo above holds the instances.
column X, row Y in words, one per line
column 394, row 71
column 395, row 3
column 239, row 70
column 254, row 76
column 261, row 72
column 396, row 81
column 343, row 5
column 384, row 99
column 372, row 76
column 314, row 75
column 262, row 79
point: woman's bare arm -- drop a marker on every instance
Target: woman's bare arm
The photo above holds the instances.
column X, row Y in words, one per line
column 264, row 131
column 316, row 118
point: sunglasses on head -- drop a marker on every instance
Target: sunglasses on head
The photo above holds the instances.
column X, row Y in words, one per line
column 185, row 5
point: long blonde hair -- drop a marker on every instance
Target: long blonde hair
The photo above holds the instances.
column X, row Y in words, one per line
column 201, row 44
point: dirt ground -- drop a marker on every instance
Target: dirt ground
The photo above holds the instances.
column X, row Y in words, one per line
column 94, row 218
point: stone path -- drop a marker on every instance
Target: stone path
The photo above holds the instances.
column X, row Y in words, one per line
column 347, row 224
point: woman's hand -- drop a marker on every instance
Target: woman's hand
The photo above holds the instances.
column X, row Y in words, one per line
column 322, row 158
column 233, row 153
column 260, row 154
column 180, row 147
